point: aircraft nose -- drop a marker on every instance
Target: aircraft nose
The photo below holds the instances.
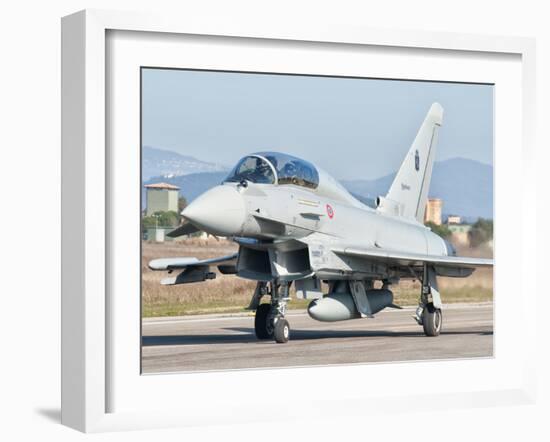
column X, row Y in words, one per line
column 219, row 211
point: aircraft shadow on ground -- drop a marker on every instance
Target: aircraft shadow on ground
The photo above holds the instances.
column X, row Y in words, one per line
column 246, row 335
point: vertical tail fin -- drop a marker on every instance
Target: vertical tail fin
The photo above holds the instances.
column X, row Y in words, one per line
column 409, row 191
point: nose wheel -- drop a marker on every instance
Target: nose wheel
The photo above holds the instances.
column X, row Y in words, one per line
column 265, row 329
column 281, row 331
column 263, row 326
column 269, row 322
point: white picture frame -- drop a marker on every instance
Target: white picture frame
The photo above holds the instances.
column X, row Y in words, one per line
column 86, row 312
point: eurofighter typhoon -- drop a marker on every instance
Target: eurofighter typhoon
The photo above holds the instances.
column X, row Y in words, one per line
column 295, row 224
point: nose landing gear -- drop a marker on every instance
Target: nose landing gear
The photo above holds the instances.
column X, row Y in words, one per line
column 262, row 326
column 282, row 331
column 269, row 322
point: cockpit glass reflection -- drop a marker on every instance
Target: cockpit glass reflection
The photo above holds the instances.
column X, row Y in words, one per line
column 253, row 169
column 292, row 170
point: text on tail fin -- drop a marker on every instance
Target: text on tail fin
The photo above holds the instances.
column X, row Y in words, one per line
column 409, row 190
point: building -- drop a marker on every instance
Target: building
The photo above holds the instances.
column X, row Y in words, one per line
column 433, row 211
column 460, row 233
column 454, row 219
column 161, row 197
column 157, row 234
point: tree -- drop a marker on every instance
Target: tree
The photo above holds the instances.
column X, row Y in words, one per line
column 182, row 203
column 148, row 222
column 441, row 230
column 481, row 232
column 161, row 219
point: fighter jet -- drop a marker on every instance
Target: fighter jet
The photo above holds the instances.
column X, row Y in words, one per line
column 295, row 224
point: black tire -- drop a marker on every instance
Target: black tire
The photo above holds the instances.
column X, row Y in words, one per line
column 262, row 329
column 282, row 331
column 432, row 320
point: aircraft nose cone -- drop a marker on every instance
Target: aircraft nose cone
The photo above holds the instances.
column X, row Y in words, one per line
column 219, row 211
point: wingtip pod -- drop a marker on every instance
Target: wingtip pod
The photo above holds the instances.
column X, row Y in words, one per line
column 167, row 263
column 156, row 264
column 190, row 261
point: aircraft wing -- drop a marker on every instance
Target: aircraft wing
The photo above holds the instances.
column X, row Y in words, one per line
column 185, row 262
column 414, row 259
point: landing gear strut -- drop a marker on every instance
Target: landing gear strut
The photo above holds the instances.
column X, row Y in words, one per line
column 269, row 322
column 428, row 313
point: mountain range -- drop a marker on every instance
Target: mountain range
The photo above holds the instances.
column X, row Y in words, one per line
column 160, row 162
column 464, row 185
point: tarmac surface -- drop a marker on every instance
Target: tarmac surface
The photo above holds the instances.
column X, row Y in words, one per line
column 216, row 342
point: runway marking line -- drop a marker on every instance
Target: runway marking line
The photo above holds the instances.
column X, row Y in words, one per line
column 179, row 319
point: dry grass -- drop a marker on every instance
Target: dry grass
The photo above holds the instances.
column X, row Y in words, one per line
column 228, row 293
column 225, row 293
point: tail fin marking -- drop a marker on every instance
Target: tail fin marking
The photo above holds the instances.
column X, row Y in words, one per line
column 409, row 191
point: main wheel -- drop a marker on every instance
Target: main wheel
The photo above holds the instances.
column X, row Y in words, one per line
column 262, row 327
column 282, row 331
column 432, row 319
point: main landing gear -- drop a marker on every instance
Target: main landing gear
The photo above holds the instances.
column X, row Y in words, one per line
column 431, row 320
column 269, row 322
column 428, row 313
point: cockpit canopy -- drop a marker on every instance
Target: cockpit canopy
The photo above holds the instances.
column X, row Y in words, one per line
column 275, row 167
column 254, row 169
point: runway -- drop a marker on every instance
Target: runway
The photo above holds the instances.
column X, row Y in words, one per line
column 198, row 343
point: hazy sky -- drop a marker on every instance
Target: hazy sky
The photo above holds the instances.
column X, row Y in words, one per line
column 352, row 128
